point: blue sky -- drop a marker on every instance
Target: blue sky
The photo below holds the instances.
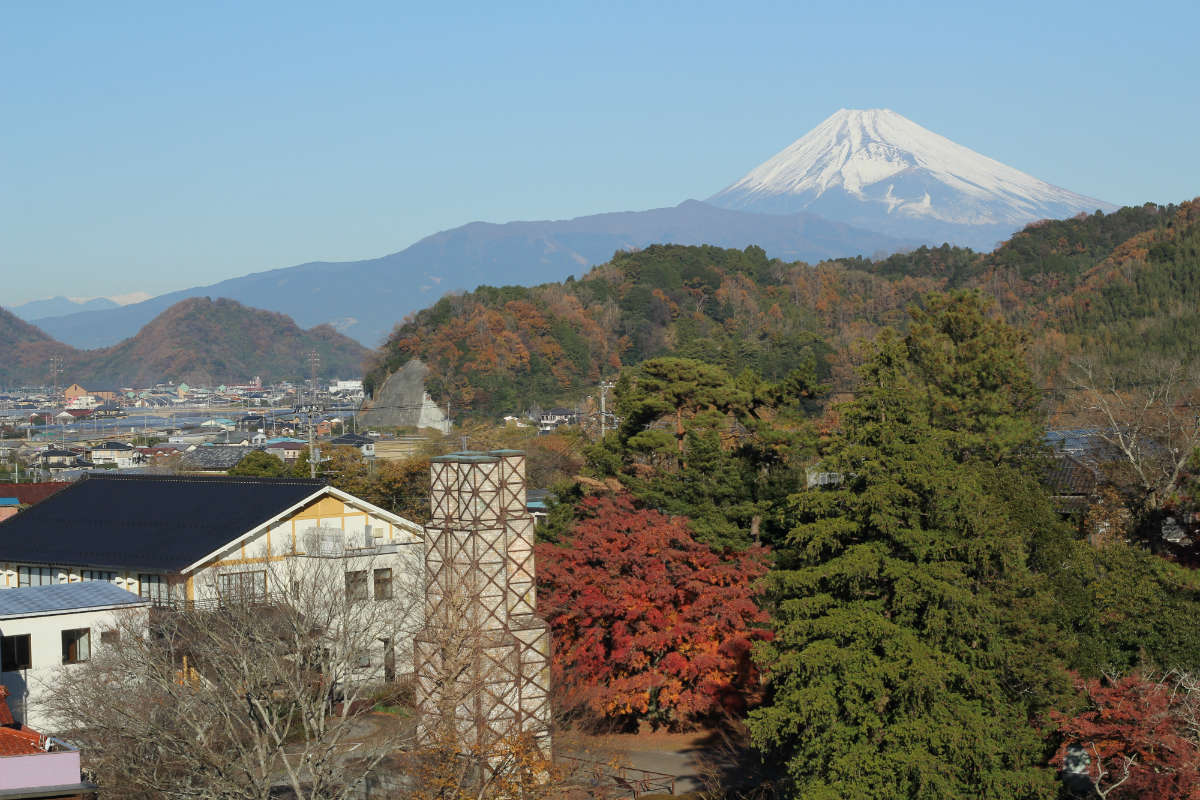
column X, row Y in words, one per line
column 154, row 146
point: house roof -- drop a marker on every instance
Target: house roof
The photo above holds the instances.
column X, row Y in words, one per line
column 1071, row 483
column 352, row 439
column 31, row 493
column 1070, row 476
column 29, row 601
column 122, row 446
column 160, row 522
column 16, row 741
column 215, row 457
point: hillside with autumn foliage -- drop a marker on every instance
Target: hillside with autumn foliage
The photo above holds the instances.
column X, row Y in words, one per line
column 200, row 340
column 1088, row 285
column 27, row 349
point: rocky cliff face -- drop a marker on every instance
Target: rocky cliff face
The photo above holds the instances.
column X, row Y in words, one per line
column 401, row 402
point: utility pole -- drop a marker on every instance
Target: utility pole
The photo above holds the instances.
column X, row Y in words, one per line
column 56, row 369
column 604, row 387
column 314, row 361
column 312, row 452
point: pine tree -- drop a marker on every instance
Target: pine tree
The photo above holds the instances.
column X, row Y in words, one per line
column 697, row 442
column 911, row 647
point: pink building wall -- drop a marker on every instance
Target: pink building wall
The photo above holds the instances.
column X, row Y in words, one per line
column 37, row 770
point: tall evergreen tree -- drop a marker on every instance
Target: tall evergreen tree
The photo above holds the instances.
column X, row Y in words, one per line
column 911, row 648
column 723, row 451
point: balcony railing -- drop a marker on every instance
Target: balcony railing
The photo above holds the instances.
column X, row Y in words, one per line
column 217, row 603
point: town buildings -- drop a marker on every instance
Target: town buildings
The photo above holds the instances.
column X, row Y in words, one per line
column 45, row 628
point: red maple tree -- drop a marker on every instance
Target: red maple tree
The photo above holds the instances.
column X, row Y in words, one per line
column 1139, row 735
column 648, row 623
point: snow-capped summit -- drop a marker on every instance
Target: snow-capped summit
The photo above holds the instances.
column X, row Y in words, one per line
column 879, row 170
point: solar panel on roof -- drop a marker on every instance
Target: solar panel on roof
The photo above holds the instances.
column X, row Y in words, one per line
column 29, row 600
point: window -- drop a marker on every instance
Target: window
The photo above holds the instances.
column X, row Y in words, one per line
column 110, row 638
column 76, row 645
column 97, row 575
column 14, row 653
column 356, row 586
column 383, row 584
column 36, row 576
column 152, row 587
column 242, row 585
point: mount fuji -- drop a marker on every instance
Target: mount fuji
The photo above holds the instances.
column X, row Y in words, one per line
column 861, row 183
column 878, row 170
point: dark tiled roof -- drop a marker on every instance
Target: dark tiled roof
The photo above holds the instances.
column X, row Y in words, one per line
column 214, row 457
column 1070, row 476
column 161, row 522
column 113, row 446
column 29, row 600
column 352, row 439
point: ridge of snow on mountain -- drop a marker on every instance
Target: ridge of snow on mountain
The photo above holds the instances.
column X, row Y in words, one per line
column 878, row 169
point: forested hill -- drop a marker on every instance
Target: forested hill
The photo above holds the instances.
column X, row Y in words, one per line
column 206, row 342
column 1080, row 285
column 25, row 349
column 200, row 341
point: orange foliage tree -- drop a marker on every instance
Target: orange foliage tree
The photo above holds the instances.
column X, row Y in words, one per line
column 647, row 623
column 1139, row 737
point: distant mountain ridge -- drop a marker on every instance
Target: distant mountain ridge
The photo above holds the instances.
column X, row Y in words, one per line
column 878, row 170
column 59, row 306
column 860, row 183
column 366, row 299
column 198, row 340
column 1120, row 288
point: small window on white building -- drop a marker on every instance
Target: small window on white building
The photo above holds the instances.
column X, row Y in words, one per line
column 15, row 653
column 76, row 645
column 357, row 588
column 383, row 584
column 110, row 638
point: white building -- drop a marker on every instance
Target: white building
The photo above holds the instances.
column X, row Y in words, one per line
column 84, row 401
column 45, row 629
column 176, row 540
column 121, row 454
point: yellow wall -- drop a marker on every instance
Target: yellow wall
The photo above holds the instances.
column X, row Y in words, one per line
column 286, row 537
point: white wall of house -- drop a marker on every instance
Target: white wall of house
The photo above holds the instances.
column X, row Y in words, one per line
column 325, row 543
column 328, row 538
column 29, row 687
